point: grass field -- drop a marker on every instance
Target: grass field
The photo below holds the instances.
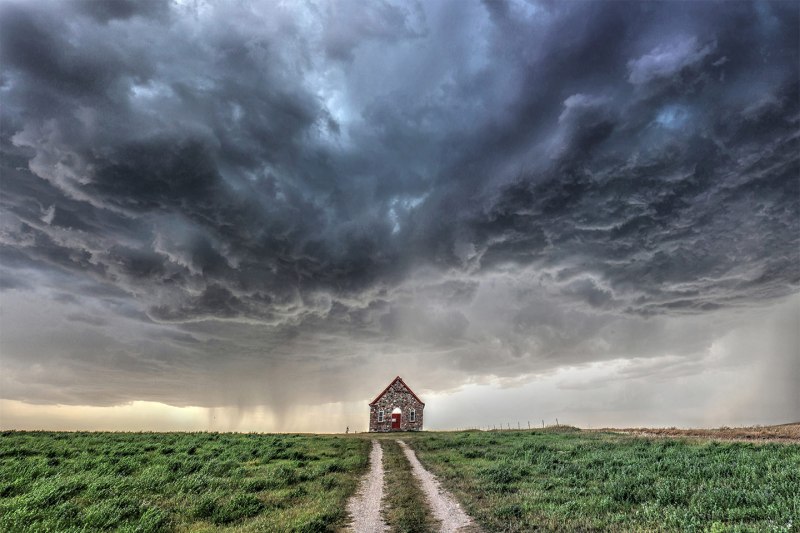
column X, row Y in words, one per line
column 571, row 480
column 152, row 482
column 508, row 481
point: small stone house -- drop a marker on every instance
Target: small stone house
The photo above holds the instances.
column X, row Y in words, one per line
column 397, row 408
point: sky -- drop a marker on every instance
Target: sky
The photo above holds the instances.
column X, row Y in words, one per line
column 252, row 216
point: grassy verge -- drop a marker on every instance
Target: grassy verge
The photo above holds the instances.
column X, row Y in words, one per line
column 405, row 509
column 526, row 480
column 176, row 481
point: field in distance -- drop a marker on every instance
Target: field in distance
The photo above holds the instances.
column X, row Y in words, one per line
column 779, row 433
column 552, row 479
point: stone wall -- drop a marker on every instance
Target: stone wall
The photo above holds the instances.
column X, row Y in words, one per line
column 397, row 396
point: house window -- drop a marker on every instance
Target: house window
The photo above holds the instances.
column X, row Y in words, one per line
column 380, row 415
column 412, row 416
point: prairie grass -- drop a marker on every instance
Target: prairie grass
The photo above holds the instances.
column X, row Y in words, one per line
column 571, row 480
column 154, row 482
column 508, row 481
column 406, row 509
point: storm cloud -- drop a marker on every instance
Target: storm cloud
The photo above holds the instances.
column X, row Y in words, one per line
column 252, row 204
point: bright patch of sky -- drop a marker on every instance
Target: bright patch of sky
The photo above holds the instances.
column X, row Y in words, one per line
column 673, row 117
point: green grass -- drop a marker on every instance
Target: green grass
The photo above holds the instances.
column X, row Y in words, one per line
column 508, row 481
column 406, row 509
column 569, row 480
column 152, row 482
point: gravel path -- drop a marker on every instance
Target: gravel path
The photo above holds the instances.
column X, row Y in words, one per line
column 365, row 506
column 445, row 508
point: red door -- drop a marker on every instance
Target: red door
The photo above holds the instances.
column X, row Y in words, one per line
column 395, row 420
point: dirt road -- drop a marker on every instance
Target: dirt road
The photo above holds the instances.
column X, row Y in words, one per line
column 365, row 506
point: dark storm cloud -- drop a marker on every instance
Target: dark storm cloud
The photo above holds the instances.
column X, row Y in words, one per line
column 400, row 177
column 109, row 10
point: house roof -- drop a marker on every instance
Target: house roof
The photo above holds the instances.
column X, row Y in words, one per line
column 398, row 378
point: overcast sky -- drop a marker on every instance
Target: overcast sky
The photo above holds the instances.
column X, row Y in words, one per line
column 253, row 215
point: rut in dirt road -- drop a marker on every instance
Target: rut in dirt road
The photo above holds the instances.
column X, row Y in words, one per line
column 445, row 508
column 365, row 506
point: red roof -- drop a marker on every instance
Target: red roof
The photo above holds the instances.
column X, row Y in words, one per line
column 398, row 378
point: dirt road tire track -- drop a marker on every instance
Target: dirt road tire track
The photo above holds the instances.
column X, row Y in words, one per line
column 445, row 508
column 364, row 507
